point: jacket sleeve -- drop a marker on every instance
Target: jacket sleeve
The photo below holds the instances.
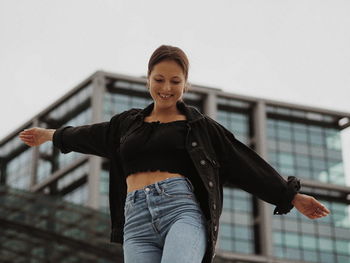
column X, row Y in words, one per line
column 242, row 167
column 95, row 139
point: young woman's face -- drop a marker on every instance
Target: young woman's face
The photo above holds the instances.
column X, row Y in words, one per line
column 166, row 83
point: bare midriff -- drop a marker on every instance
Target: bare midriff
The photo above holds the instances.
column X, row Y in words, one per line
column 139, row 180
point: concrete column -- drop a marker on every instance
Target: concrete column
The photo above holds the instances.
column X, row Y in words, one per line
column 35, row 160
column 95, row 162
column 265, row 216
column 210, row 107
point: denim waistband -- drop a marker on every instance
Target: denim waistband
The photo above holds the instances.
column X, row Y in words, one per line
column 157, row 187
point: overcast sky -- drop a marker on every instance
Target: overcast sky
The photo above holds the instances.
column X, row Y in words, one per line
column 294, row 51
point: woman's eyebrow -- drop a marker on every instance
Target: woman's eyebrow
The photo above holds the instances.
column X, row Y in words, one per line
column 162, row 76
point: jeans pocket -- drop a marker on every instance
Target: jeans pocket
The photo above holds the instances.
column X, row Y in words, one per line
column 179, row 190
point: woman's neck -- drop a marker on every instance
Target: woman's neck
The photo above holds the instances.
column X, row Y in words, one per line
column 162, row 113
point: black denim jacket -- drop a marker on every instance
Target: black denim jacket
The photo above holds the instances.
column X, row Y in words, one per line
column 219, row 158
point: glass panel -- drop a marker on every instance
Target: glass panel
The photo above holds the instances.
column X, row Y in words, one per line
column 73, row 176
column 237, row 123
column 104, row 191
column 19, row 170
column 325, row 238
column 77, row 196
column 117, row 103
column 305, row 151
column 236, row 232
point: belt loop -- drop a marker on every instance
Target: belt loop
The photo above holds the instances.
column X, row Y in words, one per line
column 133, row 196
column 190, row 183
column 158, row 188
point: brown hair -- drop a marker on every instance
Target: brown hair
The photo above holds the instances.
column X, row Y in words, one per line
column 166, row 52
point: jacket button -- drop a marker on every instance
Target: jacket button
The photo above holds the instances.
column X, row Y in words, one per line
column 211, row 184
column 194, row 144
column 202, row 162
column 215, row 228
column 214, row 206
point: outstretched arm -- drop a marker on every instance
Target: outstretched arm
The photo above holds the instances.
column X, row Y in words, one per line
column 242, row 167
column 87, row 139
column 96, row 139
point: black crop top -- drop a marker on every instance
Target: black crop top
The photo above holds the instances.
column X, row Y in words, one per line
column 157, row 146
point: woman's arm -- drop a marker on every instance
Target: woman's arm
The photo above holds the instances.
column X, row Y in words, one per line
column 93, row 139
column 244, row 168
column 87, row 139
column 97, row 139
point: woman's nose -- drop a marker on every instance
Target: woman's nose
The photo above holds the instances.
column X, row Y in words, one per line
column 167, row 86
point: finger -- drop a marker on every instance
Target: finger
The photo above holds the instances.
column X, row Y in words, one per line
column 26, row 132
column 317, row 215
column 320, row 213
column 326, row 210
column 26, row 136
column 24, row 139
column 314, row 213
column 323, row 209
column 321, row 206
column 312, row 216
column 28, row 140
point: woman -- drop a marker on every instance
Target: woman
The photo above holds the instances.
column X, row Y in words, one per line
column 176, row 161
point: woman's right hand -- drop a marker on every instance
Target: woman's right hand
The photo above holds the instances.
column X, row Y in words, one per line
column 36, row 136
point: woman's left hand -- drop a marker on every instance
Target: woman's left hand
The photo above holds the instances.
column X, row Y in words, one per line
column 309, row 206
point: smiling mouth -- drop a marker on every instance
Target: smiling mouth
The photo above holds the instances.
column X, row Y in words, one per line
column 163, row 96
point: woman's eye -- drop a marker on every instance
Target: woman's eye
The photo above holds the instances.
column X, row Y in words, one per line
column 174, row 82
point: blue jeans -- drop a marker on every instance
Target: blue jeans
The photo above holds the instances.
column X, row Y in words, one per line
column 164, row 223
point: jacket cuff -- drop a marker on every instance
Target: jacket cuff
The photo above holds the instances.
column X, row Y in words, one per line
column 57, row 139
column 293, row 187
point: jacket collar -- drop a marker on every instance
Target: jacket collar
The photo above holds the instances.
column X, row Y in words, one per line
column 191, row 113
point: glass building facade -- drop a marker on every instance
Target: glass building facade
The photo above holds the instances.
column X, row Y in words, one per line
column 296, row 140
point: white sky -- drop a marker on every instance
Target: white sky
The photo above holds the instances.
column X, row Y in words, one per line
column 295, row 51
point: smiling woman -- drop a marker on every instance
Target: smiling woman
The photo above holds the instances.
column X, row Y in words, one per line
column 169, row 164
